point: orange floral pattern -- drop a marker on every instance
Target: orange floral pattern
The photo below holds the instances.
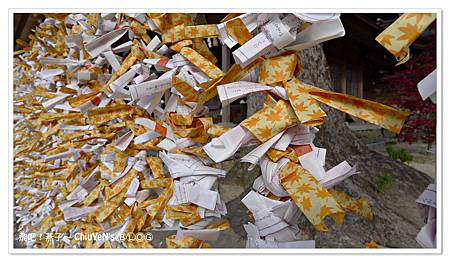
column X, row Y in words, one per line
column 306, row 107
column 184, row 242
column 177, row 47
column 199, row 45
column 156, row 166
column 403, row 32
column 278, row 69
column 201, row 31
column 238, row 31
column 303, row 99
column 97, row 116
column 201, row 62
column 372, row 112
column 188, row 92
column 270, row 120
column 312, row 199
column 140, row 30
column 168, row 20
column 360, row 206
column 187, row 213
column 182, row 32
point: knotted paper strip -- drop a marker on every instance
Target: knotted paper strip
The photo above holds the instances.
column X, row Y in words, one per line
column 403, row 32
column 312, row 199
column 202, row 63
column 278, row 69
column 238, row 31
column 270, row 121
column 306, row 108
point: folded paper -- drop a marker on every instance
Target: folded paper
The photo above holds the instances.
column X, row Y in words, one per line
column 403, row 32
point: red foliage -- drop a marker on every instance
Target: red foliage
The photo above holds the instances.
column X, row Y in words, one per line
column 421, row 125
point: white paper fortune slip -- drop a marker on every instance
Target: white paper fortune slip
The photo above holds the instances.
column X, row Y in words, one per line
column 201, row 234
column 104, row 42
column 316, row 34
column 123, row 141
column 184, row 165
column 256, row 154
column 275, row 34
column 426, row 204
column 271, row 175
column 223, row 147
column 428, row 197
column 150, row 88
column 54, row 101
column 337, row 174
column 193, row 193
column 231, row 92
column 427, row 87
column 314, row 162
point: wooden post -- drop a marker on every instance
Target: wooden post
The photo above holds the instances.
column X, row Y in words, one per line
column 361, row 84
column 225, row 67
column 344, row 79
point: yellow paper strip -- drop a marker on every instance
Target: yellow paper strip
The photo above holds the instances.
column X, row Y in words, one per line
column 177, row 47
column 312, row 199
column 156, row 165
column 201, row 31
column 238, row 31
column 360, row 206
column 372, row 112
column 306, row 108
column 403, row 32
column 278, row 69
column 135, row 55
column 100, row 115
column 184, row 242
column 270, row 121
column 202, row 63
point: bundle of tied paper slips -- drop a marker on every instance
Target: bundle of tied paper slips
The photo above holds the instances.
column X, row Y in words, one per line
column 112, row 135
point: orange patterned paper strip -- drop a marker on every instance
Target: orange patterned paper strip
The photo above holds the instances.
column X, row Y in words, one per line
column 188, row 92
column 277, row 69
column 168, row 20
column 270, row 120
column 372, row 112
column 140, row 30
column 99, row 115
column 156, row 165
column 312, row 199
column 238, row 31
column 136, row 54
column 403, row 32
column 199, row 45
column 188, row 214
column 201, row 31
column 201, row 62
column 182, row 32
column 306, row 108
column 177, row 47
column 360, row 206
column 184, row 242
column 303, row 96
